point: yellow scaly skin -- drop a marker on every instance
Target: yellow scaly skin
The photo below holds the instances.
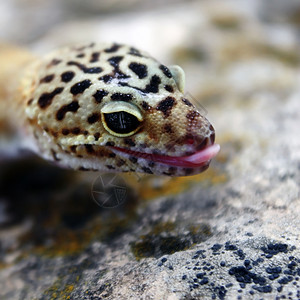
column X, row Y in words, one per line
column 105, row 107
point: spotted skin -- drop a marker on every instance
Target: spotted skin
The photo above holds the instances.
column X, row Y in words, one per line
column 66, row 95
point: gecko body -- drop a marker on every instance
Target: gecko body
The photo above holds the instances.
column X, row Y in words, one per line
column 110, row 107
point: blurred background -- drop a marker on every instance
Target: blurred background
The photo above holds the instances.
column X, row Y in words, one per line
column 241, row 60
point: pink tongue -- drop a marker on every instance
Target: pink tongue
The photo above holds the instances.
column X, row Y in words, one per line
column 202, row 155
column 195, row 160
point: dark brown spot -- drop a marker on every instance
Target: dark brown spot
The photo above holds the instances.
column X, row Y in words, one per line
column 168, row 128
column 67, row 76
column 93, row 70
column 117, row 73
column 54, row 133
column 192, row 115
column 29, row 102
column 129, row 142
column 167, row 173
column 115, row 60
column 84, row 169
column 172, row 170
column 94, row 57
column 54, row 62
column 147, row 170
column 151, row 164
column 89, row 148
column 80, row 55
column 133, row 159
column 169, row 88
column 121, row 97
column 145, row 106
column 139, row 69
column 153, row 86
column 80, row 87
column 106, row 78
column 188, row 171
column 166, row 105
column 72, row 107
column 47, row 79
column 97, row 136
column 85, row 132
column 187, row 102
column 112, row 155
column 99, row 95
column 93, row 118
column 110, row 167
column 73, row 148
column 46, row 99
column 120, row 162
column 166, row 71
column 135, row 52
column 110, row 144
column 65, row 131
column 76, row 130
column 85, row 47
column 113, row 48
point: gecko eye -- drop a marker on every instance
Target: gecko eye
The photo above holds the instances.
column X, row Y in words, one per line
column 121, row 119
column 121, row 122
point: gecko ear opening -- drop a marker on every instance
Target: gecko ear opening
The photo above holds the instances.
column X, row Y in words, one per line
column 179, row 77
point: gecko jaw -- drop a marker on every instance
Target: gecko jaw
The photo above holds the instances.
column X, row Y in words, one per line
column 196, row 160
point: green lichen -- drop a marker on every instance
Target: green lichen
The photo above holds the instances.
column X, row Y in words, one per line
column 65, row 284
column 59, row 290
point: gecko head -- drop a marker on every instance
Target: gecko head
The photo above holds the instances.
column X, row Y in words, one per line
column 115, row 108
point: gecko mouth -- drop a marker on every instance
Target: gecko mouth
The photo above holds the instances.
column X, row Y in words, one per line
column 195, row 160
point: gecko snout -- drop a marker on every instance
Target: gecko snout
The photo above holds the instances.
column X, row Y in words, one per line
column 199, row 141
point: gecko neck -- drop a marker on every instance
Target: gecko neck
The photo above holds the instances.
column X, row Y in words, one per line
column 13, row 62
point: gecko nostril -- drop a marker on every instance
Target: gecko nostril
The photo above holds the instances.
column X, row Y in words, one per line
column 189, row 141
column 198, row 142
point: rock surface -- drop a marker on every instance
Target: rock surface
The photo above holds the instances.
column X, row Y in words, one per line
column 229, row 233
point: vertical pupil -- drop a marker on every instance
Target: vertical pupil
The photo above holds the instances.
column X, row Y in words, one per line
column 122, row 121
